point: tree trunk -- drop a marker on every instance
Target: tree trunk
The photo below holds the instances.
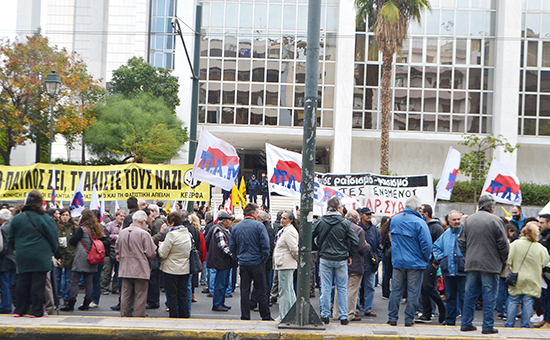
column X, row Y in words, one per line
column 386, row 113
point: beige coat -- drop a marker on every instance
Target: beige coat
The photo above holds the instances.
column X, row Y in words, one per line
column 285, row 255
column 529, row 274
column 135, row 247
column 174, row 252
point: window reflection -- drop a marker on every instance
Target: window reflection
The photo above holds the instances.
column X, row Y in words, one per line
column 285, row 117
column 458, row 124
column 214, row 93
column 228, row 115
column 399, row 121
column 401, row 75
column 357, row 120
column 228, row 93
column 270, row 115
column 229, row 70
column 257, row 95
column 271, row 94
column 328, row 117
column 358, row 98
column 242, row 116
column 243, row 92
column 244, row 70
column 272, row 71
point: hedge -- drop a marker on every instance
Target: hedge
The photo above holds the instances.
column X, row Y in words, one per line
column 532, row 194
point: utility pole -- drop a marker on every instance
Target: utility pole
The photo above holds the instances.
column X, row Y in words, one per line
column 195, row 90
column 302, row 315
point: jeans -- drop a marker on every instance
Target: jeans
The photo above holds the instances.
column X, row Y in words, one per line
column 485, row 284
column 212, row 280
column 502, row 296
column 545, row 297
column 401, row 278
column 526, row 310
column 368, row 289
column 334, row 272
column 287, row 296
column 63, row 278
column 189, row 292
column 6, row 280
column 221, row 282
column 96, row 284
column 454, row 291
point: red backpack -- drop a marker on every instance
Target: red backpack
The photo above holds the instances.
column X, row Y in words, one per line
column 96, row 254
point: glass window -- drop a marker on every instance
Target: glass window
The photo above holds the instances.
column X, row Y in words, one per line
column 287, row 93
column 274, row 16
column 246, row 16
column 202, row 93
column 213, row 115
column 461, row 23
column 359, row 74
column 532, row 53
column 204, row 46
column 243, row 93
column 230, row 48
column 458, row 124
column 446, row 53
column 447, row 22
column 403, row 56
column 289, row 17
column 428, row 122
column 299, row 97
column 371, row 99
column 418, row 47
column 531, row 80
column 214, row 93
column 274, row 48
column 475, row 52
column 231, row 20
column 215, row 70
column 228, row 94
column 228, row 115
column 205, row 15
column 530, row 105
column 529, row 127
column 544, row 106
column 328, row 117
column 272, row 71
column 473, row 124
column 288, row 46
column 545, row 81
column 257, row 95
column 298, row 117
column 414, row 122
column 532, row 25
column 259, row 47
column 371, row 120
column 329, row 73
column 245, row 44
column 372, row 75
column 401, row 75
column 373, row 49
column 215, row 47
column 476, row 23
column 330, row 47
column 258, row 71
column 444, row 101
column 285, row 117
column 217, row 14
column 301, row 48
column 490, row 52
column 203, row 68
column 399, row 121
column 400, row 100
column 432, row 22
column 430, row 99
column 260, row 16
column 544, row 127
column 358, row 98
column 459, row 81
column 202, row 114
column 302, row 15
column 490, row 23
column 443, row 123
column 328, row 96
column 545, row 54
column 270, row 115
column 445, row 78
column 461, row 51
column 417, row 77
column 271, row 94
column 459, row 102
column 489, row 78
column 487, row 103
column 242, row 116
column 300, row 73
column 244, row 70
column 360, row 47
column 415, row 100
column 474, row 82
column 474, row 102
column 357, row 120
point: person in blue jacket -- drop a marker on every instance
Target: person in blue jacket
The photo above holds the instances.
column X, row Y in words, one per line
column 411, row 250
column 451, row 261
column 253, row 188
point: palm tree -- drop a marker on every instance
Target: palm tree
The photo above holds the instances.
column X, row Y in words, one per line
column 390, row 29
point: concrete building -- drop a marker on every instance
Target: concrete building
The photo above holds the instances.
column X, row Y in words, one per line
column 471, row 66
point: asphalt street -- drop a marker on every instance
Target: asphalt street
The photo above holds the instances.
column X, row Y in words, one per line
column 202, row 309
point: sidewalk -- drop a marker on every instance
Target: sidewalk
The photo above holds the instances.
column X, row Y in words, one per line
column 89, row 327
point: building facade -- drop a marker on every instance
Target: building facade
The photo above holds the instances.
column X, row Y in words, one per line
column 470, row 66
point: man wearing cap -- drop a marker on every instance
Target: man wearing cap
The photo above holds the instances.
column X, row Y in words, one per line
column 253, row 188
column 374, row 239
column 221, row 259
column 484, row 244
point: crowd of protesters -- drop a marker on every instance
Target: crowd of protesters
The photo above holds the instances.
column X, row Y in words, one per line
column 459, row 264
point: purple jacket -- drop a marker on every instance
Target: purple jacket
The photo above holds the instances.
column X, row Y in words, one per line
column 358, row 260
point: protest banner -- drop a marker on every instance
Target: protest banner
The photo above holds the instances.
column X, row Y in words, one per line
column 384, row 195
column 284, row 171
column 502, row 184
column 147, row 181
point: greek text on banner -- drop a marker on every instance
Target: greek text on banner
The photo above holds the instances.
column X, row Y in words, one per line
column 147, row 181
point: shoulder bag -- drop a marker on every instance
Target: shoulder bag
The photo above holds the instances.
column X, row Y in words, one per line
column 512, row 278
column 195, row 264
column 96, row 254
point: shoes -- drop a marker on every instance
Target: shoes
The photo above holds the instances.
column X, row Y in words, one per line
column 392, row 322
column 371, row 314
column 489, row 331
column 115, row 307
column 193, row 298
column 344, row 322
column 268, row 319
column 209, row 295
column 325, row 320
column 273, row 300
column 45, row 315
column 403, row 301
column 536, row 318
column 17, row 315
column 468, row 328
column 539, row 324
column 205, row 291
column 424, row 319
column 409, row 324
column 148, row 306
column 220, row 309
column 311, row 295
column 356, row 318
column 225, row 306
column 277, row 319
column 105, row 292
column 256, row 309
column 501, row 316
column 448, row 324
column 385, row 297
column 93, row 305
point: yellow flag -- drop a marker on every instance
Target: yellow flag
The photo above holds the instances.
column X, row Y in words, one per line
column 242, row 190
column 167, row 207
column 236, row 198
column 506, row 212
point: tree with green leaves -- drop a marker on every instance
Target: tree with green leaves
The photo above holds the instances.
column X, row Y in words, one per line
column 138, row 76
column 471, row 161
column 24, row 102
column 390, row 20
column 143, row 128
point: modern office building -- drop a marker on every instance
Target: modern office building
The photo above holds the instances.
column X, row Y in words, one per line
column 471, row 66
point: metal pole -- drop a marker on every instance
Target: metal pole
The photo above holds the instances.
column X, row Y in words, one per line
column 302, row 314
column 51, row 127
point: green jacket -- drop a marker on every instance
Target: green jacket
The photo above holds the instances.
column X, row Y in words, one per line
column 529, row 275
column 33, row 248
column 340, row 241
column 67, row 253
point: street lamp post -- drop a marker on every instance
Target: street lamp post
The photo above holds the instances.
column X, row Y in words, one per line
column 53, row 84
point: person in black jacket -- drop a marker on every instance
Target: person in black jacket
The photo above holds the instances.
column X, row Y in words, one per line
column 544, row 225
column 265, row 192
column 429, row 291
column 264, row 217
column 7, row 264
column 253, row 188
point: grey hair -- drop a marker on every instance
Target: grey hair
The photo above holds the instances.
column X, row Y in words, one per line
column 334, row 203
column 486, row 203
column 139, row 216
column 153, row 207
column 454, row 212
column 5, row 215
column 263, row 215
column 208, row 216
column 353, row 214
column 413, row 203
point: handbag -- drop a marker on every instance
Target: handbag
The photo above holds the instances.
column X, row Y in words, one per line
column 195, row 264
column 96, row 254
column 512, row 278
